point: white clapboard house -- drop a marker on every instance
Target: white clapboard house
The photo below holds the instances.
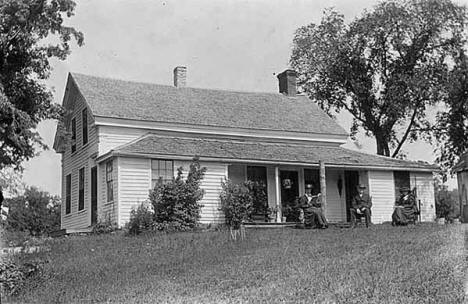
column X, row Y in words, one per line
column 119, row 138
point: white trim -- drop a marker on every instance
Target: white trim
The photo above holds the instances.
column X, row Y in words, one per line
column 253, row 161
column 221, row 132
column 117, row 199
column 278, row 194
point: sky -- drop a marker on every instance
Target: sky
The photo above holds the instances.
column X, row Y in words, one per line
column 233, row 45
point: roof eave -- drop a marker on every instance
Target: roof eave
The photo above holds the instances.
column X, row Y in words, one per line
column 113, row 153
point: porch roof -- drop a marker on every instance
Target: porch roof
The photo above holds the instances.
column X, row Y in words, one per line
column 230, row 150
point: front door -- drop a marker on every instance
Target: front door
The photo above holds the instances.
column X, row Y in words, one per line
column 351, row 183
column 93, row 195
column 289, row 194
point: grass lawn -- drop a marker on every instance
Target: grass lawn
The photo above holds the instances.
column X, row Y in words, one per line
column 383, row 264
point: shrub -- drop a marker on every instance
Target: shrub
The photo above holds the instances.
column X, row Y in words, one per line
column 13, row 276
column 141, row 219
column 259, row 195
column 104, row 225
column 36, row 212
column 236, row 203
column 176, row 204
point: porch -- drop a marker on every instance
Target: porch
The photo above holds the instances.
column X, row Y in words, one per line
column 284, row 184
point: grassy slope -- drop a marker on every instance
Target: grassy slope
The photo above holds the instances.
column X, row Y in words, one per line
column 422, row 264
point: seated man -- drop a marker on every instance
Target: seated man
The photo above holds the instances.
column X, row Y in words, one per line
column 312, row 206
column 361, row 206
column 406, row 210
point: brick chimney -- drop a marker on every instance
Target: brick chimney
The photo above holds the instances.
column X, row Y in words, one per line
column 287, row 83
column 180, row 76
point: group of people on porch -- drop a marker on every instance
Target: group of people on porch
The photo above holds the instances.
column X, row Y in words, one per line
column 405, row 209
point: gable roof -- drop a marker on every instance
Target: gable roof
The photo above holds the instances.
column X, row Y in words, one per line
column 245, row 110
column 274, row 153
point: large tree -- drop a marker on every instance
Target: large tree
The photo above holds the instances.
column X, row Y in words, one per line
column 385, row 67
column 451, row 131
column 31, row 33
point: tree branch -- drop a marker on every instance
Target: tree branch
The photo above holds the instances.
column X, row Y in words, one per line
column 405, row 136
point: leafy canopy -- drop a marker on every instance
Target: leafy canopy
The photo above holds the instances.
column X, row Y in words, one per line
column 385, row 67
column 31, row 33
column 451, row 132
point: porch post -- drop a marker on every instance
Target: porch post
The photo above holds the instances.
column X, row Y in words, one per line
column 278, row 194
column 323, row 187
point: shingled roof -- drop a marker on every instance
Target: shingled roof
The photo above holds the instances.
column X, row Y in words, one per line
column 152, row 144
column 161, row 103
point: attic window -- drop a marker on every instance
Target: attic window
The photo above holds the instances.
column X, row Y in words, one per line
column 84, row 125
column 73, row 136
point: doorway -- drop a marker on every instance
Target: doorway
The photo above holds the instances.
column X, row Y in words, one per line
column 289, row 194
column 351, row 183
column 93, row 195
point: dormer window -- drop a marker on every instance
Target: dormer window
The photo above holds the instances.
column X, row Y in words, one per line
column 73, row 135
column 84, row 125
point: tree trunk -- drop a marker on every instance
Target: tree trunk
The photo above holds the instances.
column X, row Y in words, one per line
column 382, row 144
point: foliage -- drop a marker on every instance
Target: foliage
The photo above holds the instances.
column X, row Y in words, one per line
column 447, row 205
column 259, row 194
column 237, row 203
column 141, row 219
column 384, row 68
column 104, row 225
column 176, row 204
column 416, row 264
column 451, row 132
column 13, row 275
column 31, row 33
column 11, row 181
column 36, row 212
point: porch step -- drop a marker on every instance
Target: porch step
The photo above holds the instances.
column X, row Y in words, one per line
column 270, row 225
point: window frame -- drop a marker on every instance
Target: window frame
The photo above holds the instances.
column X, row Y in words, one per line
column 84, row 126
column 68, row 194
column 399, row 181
column 73, row 135
column 81, row 182
column 109, row 181
column 168, row 172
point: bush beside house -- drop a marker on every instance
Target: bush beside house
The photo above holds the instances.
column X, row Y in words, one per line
column 175, row 205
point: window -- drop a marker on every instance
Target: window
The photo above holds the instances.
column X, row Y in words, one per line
column 109, row 182
column 257, row 174
column 68, row 194
column 73, row 136
column 312, row 177
column 84, row 125
column 162, row 171
column 401, row 179
column 81, row 190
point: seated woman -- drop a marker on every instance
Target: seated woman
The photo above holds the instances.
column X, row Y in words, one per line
column 406, row 210
column 312, row 206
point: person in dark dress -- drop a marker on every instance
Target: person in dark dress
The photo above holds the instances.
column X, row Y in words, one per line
column 312, row 206
column 406, row 210
column 361, row 205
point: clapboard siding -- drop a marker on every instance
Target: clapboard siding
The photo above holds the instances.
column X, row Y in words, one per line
column 134, row 184
column 81, row 158
column 112, row 137
column 424, row 183
column 336, row 204
column 381, row 188
column 211, row 184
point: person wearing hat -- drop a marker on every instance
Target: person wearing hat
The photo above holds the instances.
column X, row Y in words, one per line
column 405, row 210
column 361, row 205
column 312, row 206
